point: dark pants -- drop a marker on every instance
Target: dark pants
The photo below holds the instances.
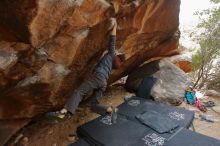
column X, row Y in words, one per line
column 97, row 84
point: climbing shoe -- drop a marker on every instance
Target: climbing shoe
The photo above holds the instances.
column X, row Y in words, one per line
column 57, row 114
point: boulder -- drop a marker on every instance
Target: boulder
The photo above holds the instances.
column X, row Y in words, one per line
column 183, row 60
column 170, row 85
column 51, row 47
column 185, row 65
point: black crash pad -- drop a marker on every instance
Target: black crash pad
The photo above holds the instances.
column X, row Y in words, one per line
column 183, row 117
column 184, row 137
column 123, row 133
column 127, row 132
column 157, row 121
column 102, row 133
column 80, row 142
column 152, row 138
column 190, row 138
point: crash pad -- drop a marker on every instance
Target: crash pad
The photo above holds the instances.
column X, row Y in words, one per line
column 189, row 138
column 152, row 138
column 181, row 137
column 137, row 105
column 127, row 131
column 102, row 132
column 157, row 121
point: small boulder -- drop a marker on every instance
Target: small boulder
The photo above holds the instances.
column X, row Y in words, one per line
column 170, row 84
column 183, row 60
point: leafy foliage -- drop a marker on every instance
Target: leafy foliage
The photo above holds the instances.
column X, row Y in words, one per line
column 204, row 60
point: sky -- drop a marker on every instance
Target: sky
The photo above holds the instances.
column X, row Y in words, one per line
column 189, row 21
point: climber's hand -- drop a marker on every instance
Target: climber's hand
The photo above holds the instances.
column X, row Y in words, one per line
column 112, row 23
column 109, row 110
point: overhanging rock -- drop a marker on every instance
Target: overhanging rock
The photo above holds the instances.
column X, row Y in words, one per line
column 59, row 42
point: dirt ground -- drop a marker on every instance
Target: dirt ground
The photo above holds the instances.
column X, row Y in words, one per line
column 47, row 131
column 211, row 129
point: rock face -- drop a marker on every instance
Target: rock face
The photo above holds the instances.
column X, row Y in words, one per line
column 183, row 60
column 184, row 65
column 170, row 85
column 48, row 48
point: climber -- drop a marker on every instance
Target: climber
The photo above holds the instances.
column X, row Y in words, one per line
column 98, row 82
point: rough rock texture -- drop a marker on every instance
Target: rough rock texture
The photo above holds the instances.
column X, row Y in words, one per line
column 183, row 60
column 51, row 46
column 9, row 128
column 170, row 84
column 184, row 65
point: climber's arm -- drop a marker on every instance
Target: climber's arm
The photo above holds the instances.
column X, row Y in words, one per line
column 112, row 41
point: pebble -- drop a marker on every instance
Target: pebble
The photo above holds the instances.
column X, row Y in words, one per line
column 24, row 141
column 71, row 137
column 50, row 132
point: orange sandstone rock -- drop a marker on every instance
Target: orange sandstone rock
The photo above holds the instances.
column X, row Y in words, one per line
column 56, row 45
